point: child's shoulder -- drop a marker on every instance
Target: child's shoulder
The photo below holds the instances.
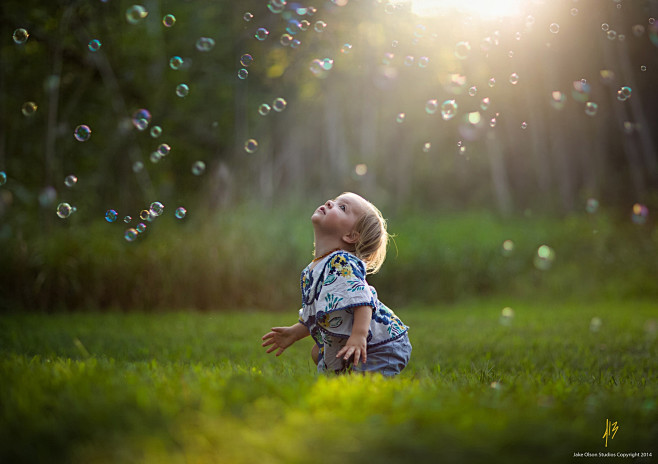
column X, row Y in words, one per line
column 340, row 259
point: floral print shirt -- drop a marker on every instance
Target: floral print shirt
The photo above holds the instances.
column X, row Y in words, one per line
column 331, row 290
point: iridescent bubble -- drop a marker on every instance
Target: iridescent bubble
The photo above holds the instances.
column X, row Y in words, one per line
column 141, row 119
column 510, row 54
column 319, row 26
column 524, row 125
column 279, row 104
column 130, row 235
column 250, row 146
column 605, row 27
column 554, row 28
column 492, row 122
column 346, row 48
column 176, row 62
column 94, row 45
column 156, row 131
column 82, row 133
column 317, row 68
column 135, row 14
column 431, row 106
column 248, row 16
column 3, row 177
column 286, row 39
column 591, row 108
column 626, row 91
column 327, row 64
column 517, row 36
column 621, row 37
column 64, row 210
column 182, row 90
column 544, row 258
column 652, row 20
column 276, row 6
column 462, row 50
column 304, row 24
column 205, row 44
column 423, row 61
column 264, row 109
column 138, row 166
column 262, row 33
column 514, row 78
column 400, row 118
column 640, row 214
column 506, row 318
column 612, row 35
column 20, row 36
column 180, row 212
column 29, row 108
column 492, row 82
column 111, row 215
column 127, row 219
column 168, row 20
column 643, row 68
column 574, row 11
column 638, row 30
column 155, row 157
column 156, row 208
column 448, row 109
column 508, row 247
column 164, row 149
column 144, row 214
column 484, row 104
column 558, row 99
column 70, row 180
column 246, row 60
column 198, row 168
column 427, row 146
column 243, row 73
column 295, row 43
column 592, row 205
column 472, row 91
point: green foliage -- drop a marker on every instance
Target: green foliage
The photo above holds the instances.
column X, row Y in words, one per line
column 193, row 387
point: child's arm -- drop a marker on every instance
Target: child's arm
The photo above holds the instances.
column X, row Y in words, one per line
column 283, row 337
column 356, row 344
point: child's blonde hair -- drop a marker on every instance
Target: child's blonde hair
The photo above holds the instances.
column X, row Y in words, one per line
column 373, row 238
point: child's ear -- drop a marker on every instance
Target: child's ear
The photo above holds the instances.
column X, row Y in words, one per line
column 352, row 237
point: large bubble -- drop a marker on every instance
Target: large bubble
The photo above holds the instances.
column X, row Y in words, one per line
column 448, row 109
column 135, row 14
column 20, row 36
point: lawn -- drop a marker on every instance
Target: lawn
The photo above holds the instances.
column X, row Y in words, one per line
column 197, row 387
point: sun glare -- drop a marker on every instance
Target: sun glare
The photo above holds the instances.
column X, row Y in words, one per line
column 482, row 8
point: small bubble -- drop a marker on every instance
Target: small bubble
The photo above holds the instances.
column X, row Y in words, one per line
column 94, row 45
column 643, row 68
column 180, row 212
column 605, row 27
column 510, row 54
column 295, row 43
column 20, row 36
column 626, row 91
column 246, row 60
column 427, row 146
column 111, row 215
column 264, row 109
column 431, row 106
column 400, row 118
column 558, row 99
column 29, row 108
column 243, row 73
column 612, row 35
column 554, row 28
column 462, row 50
column 408, row 60
column 286, row 39
column 64, row 210
column 591, row 108
column 156, row 131
column 473, row 91
column 345, row 49
column 205, row 44
column 182, row 90
column 592, row 205
column 304, row 25
column 395, row 43
column 652, row 20
column 448, row 109
column 130, row 235
column 127, row 219
column 508, row 247
column 639, row 214
column 492, row 122
column 155, row 157
column 319, row 26
column 638, row 30
column 524, row 125
column 156, row 208
column 164, row 149
column 423, row 61
column 250, row 146
column 176, row 62
column 595, row 324
column 168, row 20
column 492, row 82
column 135, row 14
column 484, row 104
column 506, row 318
column 276, row 6
column 514, row 78
column 144, row 214
column 198, row 168
column 262, row 33
column 82, row 133
column 248, row 16
column 3, row 177
column 574, row 11
column 70, row 180
column 544, row 258
column 279, row 104
column 141, row 119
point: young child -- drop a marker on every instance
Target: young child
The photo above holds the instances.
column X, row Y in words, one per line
column 352, row 329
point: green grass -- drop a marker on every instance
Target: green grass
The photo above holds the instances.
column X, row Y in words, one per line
column 197, row 387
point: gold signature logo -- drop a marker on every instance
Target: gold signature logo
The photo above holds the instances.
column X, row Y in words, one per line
column 610, row 427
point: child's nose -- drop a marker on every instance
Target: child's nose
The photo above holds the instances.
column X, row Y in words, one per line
column 330, row 204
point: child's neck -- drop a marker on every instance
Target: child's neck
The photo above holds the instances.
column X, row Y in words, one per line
column 325, row 246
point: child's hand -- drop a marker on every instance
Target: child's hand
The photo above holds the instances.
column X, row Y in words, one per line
column 356, row 345
column 279, row 337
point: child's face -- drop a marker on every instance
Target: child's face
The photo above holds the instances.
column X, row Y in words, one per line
column 339, row 216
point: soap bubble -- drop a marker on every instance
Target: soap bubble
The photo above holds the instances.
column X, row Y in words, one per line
column 144, row 214
column 70, row 180
column 591, row 108
column 155, row 157
column 514, row 78
column 639, row 214
column 164, row 149
column 544, row 258
column 29, row 108
column 264, row 109
column 198, row 167
column 138, row 166
column 20, row 36
column 243, row 73
column 82, row 133
column 180, row 212
column 423, row 61
column 408, row 60
column 506, row 316
column 574, row 11
column 295, row 43
column 473, row 91
column 130, row 235
column 3, row 177
column 276, row 6
column 492, row 122
column 400, row 118
column 605, row 27
column 262, row 33
column 169, row 20
column 554, row 28
column 141, row 119
column 205, row 44
column 626, row 91
column 319, row 26
column 524, row 125
column 592, row 205
column 127, row 219
column 111, row 215
column 508, row 247
column 64, row 210
column 345, row 49
column 279, row 104
column 94, row 45
column 285, row 40
column 638, row 30
column 462, row 50
column 304, row 24
column 176, row 62
column 431, row 106
column 492, row 82
column 611, row 34
column 248, row 16
column 643, row 68
column 156, row 208
column 250, row 146
column 427, row 146
column 595, row 324
column 484, row 104
column 448, row 109
column 156, row 131
column 246, row 59
column 136, row 13
column 182, row 90
column 558, row 99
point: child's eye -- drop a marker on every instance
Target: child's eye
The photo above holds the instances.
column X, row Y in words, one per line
column 342, row 207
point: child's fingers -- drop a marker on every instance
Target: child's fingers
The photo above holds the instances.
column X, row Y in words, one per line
column 267, row 335
column 272, row 348
column 281, row 350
